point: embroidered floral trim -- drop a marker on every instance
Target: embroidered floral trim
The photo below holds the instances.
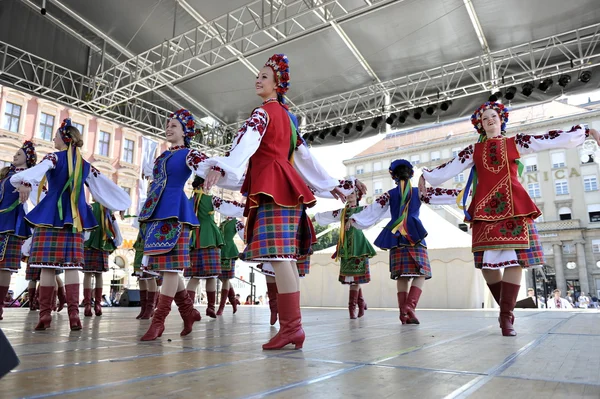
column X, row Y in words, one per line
column 218, row 202
column 383, row 199
column 194, row 158
column 257, row 121
column 95, row 172
column 167, row 231
column 335, row 213
column 524, row 140
column 493, row 153
column 438, row 192
column 466, row 154
column 346, row 184
column 497, row 203
column 239, row 226
column 26, row 184
column 511, row 228
column 218, row 170
column 52, row 158
column 177, row 147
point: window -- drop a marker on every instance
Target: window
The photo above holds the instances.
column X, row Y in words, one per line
column 561, row 187
column 455, row 151
column 564, row 213
column 377, row 166
column 534, row 190
column 103, row 144
column 128, row 191
column 79, row 127
column 547, row 248
column 459, row 178
column 568, row 249
column 594, row 212
column 128, row 150
column 46, row 126
column 5, row 163
column 530, row 164
column 558, row 160
column 596, row 246
column 435, row 156
column 590, row 183
column 12, row 116
column 377, row 187
column 360, row 169
column 415, row 159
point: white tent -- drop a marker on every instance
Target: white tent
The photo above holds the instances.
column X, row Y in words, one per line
column 456, row 284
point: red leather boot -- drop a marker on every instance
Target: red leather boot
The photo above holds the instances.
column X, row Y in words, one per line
column 3, row 291
column 73, row 306
column 98, row 301
column 362, row 304
column 224, row 294
column 62, row 298
column 508, row 299
column 158, row 320
column 54, row 301
column 353, row 298
column 290, row 322
column 87, row 302
column 232, row 299
column 411, row 304
column 31, row 296
column 496, row 289
column 143, row 294
column 185, row 304
column 45, row 302
column 210, row 308
column 401, row 303
column 272, row 293
column 149, row 310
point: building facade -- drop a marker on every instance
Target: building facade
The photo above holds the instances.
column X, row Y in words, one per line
column 563, row 183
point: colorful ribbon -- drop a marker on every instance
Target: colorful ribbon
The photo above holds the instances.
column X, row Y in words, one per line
column 400, row 225
column 341, row 244
column 74, row 183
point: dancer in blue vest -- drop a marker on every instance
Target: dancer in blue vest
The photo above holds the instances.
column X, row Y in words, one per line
column 405, row 235
column 62, row 216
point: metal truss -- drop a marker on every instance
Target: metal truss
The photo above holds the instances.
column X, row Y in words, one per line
column 250, row 29
column 30, row 73
column 570, row 51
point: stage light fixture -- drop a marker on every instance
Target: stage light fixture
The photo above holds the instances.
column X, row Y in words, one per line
column 335, row 130
column 510, row 93
column 564, row 80
column 390, row 119
column 527, row 89
column 347, row 128
column 430, row 110
column 418, row 113
column 445, row 105
column 585, row 76
column 545, row 84
column 322, row 134
column 403, row 116
column 376, row 121
column 360, row 125
column 494, row 97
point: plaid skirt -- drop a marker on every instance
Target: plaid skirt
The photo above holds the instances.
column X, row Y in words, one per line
column 56, row 249
column 204, row 263
column 10, row 253
column 227, row 269
column 277, row 232
column 177, row 259
column 530, row 257
column 357, row 279
column 95, row 261
column 409, row 262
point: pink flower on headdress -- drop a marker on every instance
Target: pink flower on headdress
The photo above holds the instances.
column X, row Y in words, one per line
column 498, row 107
column 280, row 66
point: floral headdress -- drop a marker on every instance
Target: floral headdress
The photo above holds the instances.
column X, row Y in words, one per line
column 188, row 123
column 30, row 154
column 281, row 70
column 64, row 131
column 477, row 115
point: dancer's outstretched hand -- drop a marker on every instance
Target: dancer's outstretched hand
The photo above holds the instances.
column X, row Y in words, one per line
column 594, row 133
column 361, row 186
column 24, row 192
column 422, row 188
column 349, row 224
column 338, row 194
column 212, row 178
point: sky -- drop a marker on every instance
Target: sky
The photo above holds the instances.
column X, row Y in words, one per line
column 331, row 157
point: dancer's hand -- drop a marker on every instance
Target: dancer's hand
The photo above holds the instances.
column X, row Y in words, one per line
column 349, row 224
column 122, row 214
column 594, row 133
column 361, row 186
column 338, row 194
column 422, row 187
column 212, row 178
column 24, row 192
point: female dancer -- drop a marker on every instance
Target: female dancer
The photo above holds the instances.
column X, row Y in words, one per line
column 354, row 251
column 13, row 229
column 207, row 240
column 62, row 215
column 229, row 254
column 103, row 240
column 277, row 228
column 501, row 212
column 405, row 235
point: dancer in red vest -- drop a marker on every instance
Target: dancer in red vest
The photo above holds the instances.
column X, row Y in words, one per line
column 280, row 166
column 501, row 212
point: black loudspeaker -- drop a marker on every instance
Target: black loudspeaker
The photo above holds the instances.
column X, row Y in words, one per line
column 8, row 357
column 130, row 298
column 526, row 303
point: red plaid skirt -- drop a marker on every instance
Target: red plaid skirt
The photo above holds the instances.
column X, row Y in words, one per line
column 531, row 257
column 205, row 262
column 56, row 249
column 95, row 261
column 277, row 232
column 10, row 253
column 227, row 269
column 409, row 262
column 357, row 279
column 177, row 259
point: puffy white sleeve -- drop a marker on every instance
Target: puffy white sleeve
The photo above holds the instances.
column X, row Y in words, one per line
column 329, row 217
column 106, row 192
column 34, row 175
column 239, row 226
column 440, row 196
column 453, row 167
column 118, row 240
column 373, row 213
column 245, row 143
column 311, row 171
column 346, row 186
column 232, row 209
column 26, row 247
column 528, row 144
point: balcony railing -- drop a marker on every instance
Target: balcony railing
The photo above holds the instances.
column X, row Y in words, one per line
column 559, row 225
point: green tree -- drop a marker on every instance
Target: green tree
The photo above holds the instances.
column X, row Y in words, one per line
column 326, row 240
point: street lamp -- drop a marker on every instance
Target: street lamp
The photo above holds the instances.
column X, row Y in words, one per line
column 571, row 265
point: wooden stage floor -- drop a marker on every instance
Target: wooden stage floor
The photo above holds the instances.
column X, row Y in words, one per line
column 452, row 354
